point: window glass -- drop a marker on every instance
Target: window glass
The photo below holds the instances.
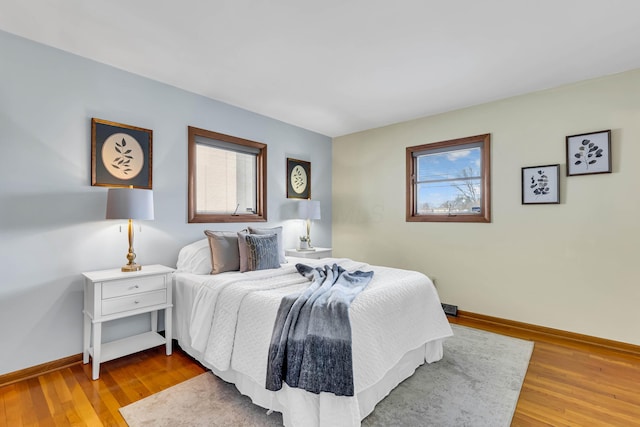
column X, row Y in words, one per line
column 226, row 178
column 226, row 181
column 448, row 181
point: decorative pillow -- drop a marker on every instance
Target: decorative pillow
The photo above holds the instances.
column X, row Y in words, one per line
column 278, row 232
column 262, row 252
column 224, row 251
column 242, row 248
column 195, row 258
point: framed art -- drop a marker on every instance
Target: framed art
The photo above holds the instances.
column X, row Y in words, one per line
column 589, row 153
column 298, row 179
column 541, row 184
column 120, row 155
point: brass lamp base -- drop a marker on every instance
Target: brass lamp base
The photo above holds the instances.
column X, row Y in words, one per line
column 132, row 267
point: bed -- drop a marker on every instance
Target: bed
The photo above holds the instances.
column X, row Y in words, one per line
column 226, row 320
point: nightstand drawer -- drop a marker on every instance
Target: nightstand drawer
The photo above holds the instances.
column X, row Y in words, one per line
column 119, row 288
column 318, row 253
column 133, row 302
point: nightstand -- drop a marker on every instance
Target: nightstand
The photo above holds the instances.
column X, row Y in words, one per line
column 113, row 294
column 317, row 254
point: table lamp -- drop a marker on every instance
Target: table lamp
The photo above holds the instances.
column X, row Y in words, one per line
column 130, row 203
column 309, row 209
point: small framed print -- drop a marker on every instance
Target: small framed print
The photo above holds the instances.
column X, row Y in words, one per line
column 541, row 184
column 589, row 153
column 298, row 179
column 120, row 155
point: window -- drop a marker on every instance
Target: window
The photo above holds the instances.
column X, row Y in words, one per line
column 227, row 178
column 449, row 181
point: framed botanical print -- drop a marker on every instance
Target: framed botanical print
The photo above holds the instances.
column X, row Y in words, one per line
column 541, row 184
column 298, row 179
column 120, row 155
column 589, row 153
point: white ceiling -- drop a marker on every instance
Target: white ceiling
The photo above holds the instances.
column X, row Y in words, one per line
column 341, row 66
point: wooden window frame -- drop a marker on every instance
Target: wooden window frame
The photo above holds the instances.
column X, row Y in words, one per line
column 261, row 179
column 484, row 216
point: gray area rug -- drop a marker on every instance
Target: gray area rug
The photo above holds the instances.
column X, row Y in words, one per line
column 477, row 383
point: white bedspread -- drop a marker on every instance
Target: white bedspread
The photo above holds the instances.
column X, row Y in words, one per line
column 226, row 320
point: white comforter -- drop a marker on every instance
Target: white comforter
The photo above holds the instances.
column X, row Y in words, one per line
column 230, row 320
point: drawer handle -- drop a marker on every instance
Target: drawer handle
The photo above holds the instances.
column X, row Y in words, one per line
column 136, row 302
column 135, row 287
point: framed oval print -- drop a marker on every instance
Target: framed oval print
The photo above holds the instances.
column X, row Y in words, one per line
column 298, row 179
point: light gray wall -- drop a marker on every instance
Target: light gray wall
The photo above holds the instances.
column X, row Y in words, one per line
column 52, row 224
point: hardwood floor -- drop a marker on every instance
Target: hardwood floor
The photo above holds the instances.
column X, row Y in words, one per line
column 573, row 384
column 567, row 384
column 68, row 397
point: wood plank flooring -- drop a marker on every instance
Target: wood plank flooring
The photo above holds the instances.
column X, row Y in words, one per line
column 566, row 385
column 68, row 397
column 573, row 384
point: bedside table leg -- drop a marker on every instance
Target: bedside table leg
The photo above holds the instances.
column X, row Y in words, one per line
column 97, row 347
column 168, row 333
column 154, row 321
column 86, row 339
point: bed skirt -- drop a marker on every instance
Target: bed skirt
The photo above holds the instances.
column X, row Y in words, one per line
column 301, row 408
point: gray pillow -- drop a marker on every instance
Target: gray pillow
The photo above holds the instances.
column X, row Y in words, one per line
column 278, row 232
column 262, row 252
column 225, row 255
column 242, row 248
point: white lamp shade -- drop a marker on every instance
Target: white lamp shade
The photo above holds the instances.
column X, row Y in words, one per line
column 309, row 209
column 129, row 203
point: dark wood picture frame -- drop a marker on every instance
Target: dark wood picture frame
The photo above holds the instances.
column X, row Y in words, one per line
column 589, row 153
column 298, row 179
column 541, row 185
column 121, row 155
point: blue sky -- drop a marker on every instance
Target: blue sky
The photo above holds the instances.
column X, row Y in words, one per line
column 446, row 165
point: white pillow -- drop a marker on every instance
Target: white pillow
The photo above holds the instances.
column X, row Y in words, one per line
column 195, row 258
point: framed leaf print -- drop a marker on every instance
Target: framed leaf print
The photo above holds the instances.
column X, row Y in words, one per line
column 298, row 179
column 589, row 153
column 120, row 155
column 541, row 184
